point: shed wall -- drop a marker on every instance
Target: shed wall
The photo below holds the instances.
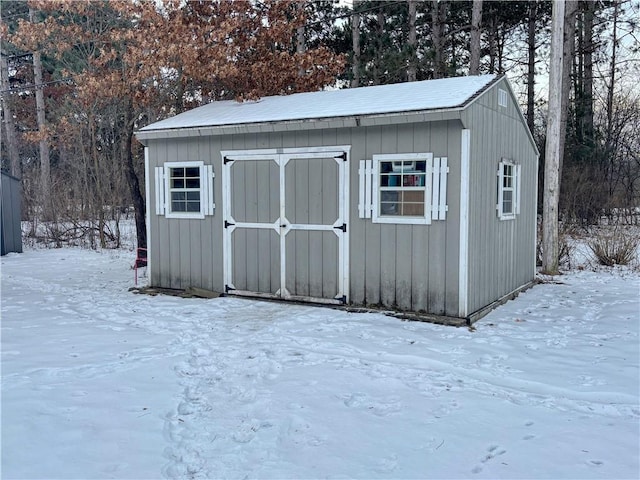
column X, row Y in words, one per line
column 412, row 267
column 501, row 252
column 10, row 215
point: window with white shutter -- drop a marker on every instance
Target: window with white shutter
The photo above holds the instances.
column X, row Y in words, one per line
column 508, row 190
column 184, row 190
column 403, row 188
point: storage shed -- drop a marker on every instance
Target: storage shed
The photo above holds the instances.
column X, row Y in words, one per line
column 416, row 196
column 10, row 214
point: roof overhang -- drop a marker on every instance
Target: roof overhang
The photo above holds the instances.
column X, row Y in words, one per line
column 394, row 118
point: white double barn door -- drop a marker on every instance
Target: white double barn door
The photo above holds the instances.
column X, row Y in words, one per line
column 286, row 223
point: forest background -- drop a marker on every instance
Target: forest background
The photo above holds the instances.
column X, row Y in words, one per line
column 80, row 77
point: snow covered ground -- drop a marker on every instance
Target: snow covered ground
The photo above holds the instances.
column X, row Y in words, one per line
column 98, row 382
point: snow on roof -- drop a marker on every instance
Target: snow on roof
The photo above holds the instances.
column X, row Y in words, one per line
column 443, row 93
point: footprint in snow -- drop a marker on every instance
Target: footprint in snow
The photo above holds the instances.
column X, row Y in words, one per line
column 528, row 436
column 492, row 452
column 387, row 464
column 246, row 431
column 379, row 408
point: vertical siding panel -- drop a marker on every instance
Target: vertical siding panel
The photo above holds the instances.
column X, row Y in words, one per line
column 330, row 270
column 157, row 155
column 314, row 138
column 358, row 240
column 329, row 137
column 420, row 243
column 323, row 208
column 174, row 152
column 404, row 265
column 301, row 189
column 262, row 139
column 204, row 259
column 388, row 246
column 301, row 139
column 437, row 233
column 162, row 254
column 289, row 139
column 452, row 223
column 373, row 253
column 275, row 140
column 404, row 233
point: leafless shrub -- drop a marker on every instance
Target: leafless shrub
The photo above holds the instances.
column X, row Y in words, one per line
column 616, row 247
column 564, row 247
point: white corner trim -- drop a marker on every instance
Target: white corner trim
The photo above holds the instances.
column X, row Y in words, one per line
column 147, row 213
column 463, row 262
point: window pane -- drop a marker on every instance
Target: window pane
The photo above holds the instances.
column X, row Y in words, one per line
column 412, row 180
column 389, row 203
column 402, row 187
column 507, row 201
column 193, row 183
column 413, row 203
column 192, row 172
column 177, row 183
column 193, row 206
column 177, row 172
column 178, row 196
column 178, row 206
column 193, row 196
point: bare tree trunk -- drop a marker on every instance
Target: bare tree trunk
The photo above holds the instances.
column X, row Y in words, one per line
column 587, row 80
column 300, row 42
column 355, row 33
column 15, row 165
column 568, row 48
column 437, row 23
column 43, row 144
column 132, row 178
column 412, row 42
column 377, row 66
column 609, row 140
column 531, row 64
column 551, row 195
column 492, row 41
column 474, row 47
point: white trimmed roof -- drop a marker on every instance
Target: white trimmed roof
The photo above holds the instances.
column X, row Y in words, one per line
column 445, row 93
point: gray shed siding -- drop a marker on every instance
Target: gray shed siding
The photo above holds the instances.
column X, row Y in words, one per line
column 10, row 215
column 501, row 252
column 410, row 267
column 400, row 266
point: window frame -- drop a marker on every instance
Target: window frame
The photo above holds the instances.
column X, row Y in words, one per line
column 513, row 188
column 503, row 98
column 169, row 212
column 377, row 189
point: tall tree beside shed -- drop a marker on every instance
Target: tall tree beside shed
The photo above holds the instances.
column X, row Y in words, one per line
column 43, row 142
column 355, row 35
column 474, row 47
column 551, row 192
column 438, row 24
column 412, row 43
column 9, row 127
